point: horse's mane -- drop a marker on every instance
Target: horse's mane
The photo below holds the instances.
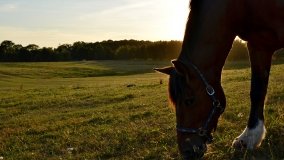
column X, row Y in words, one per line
column 195, row 5
column 177, row 82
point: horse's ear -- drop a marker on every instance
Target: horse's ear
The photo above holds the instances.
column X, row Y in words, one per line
column 180, row 67
column 165, row 70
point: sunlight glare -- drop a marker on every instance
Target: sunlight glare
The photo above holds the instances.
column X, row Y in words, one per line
column 177, row 18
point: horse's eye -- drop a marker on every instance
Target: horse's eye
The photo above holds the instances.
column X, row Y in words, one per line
column 189, row 101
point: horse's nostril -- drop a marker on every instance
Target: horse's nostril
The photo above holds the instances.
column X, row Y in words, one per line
column 194, row 152
column 187, row 140
column 195, row 149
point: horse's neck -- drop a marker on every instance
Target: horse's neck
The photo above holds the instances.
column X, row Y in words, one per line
column 209, row 36
column 209, row 58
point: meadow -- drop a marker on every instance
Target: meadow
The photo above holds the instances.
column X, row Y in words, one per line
column 119, row 110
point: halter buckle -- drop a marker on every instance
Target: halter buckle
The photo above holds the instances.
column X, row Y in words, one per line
column 202, row 132
column 217, row 104
column 210, row 90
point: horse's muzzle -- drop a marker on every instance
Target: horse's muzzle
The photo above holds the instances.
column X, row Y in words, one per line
column 192, row 149
column 194, row 152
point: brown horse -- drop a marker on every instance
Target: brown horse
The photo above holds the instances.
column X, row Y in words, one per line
column 194, row 85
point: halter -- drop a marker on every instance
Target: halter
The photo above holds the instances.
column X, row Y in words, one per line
column 216, row 106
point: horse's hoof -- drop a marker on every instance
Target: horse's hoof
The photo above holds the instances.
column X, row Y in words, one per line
column 239, row 144
column 250, row 138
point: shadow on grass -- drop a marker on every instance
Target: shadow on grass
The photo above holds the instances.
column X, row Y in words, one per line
column 232, row 65
column 80, row 69
column 131, row 67
column 104, row 68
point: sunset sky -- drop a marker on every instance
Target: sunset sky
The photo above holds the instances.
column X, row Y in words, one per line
column 50, row 23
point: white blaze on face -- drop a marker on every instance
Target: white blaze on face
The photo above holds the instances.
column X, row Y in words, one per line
column 251, row 138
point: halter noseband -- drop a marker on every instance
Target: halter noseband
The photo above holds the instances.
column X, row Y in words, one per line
column 203, row 131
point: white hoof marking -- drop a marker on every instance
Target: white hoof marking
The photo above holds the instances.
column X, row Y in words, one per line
column 251, row 138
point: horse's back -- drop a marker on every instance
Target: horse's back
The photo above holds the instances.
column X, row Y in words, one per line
column 266, row 21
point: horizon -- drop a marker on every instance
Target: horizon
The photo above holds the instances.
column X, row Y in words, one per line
column 93, row 42
column 53, row 23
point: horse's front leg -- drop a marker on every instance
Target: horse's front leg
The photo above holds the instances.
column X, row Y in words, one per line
column 254, row 133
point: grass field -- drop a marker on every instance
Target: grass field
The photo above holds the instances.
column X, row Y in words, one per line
column 119, row 110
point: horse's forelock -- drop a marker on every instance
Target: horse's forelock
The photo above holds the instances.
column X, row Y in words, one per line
column 176, row 87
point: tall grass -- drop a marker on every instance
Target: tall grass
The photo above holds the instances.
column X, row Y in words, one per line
column 118, row 110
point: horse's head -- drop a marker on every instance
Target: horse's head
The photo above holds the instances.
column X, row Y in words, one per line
column 198, row 107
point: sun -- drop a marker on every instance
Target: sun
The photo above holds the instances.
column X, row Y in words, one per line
column 168, row 20
column 177, row 19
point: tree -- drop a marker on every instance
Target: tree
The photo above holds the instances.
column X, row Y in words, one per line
column 45, row 54
column 63, row 52
column 32, row 47
column 7, row 50
column 78, row 50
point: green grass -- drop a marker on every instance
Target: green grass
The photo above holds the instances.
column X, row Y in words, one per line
column 86, row 110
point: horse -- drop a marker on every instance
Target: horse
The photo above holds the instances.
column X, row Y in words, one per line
column 195, row 76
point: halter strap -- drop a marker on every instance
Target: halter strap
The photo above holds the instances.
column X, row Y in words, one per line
column 203, row 131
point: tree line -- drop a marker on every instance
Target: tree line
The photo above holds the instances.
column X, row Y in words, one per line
column 105, row 50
